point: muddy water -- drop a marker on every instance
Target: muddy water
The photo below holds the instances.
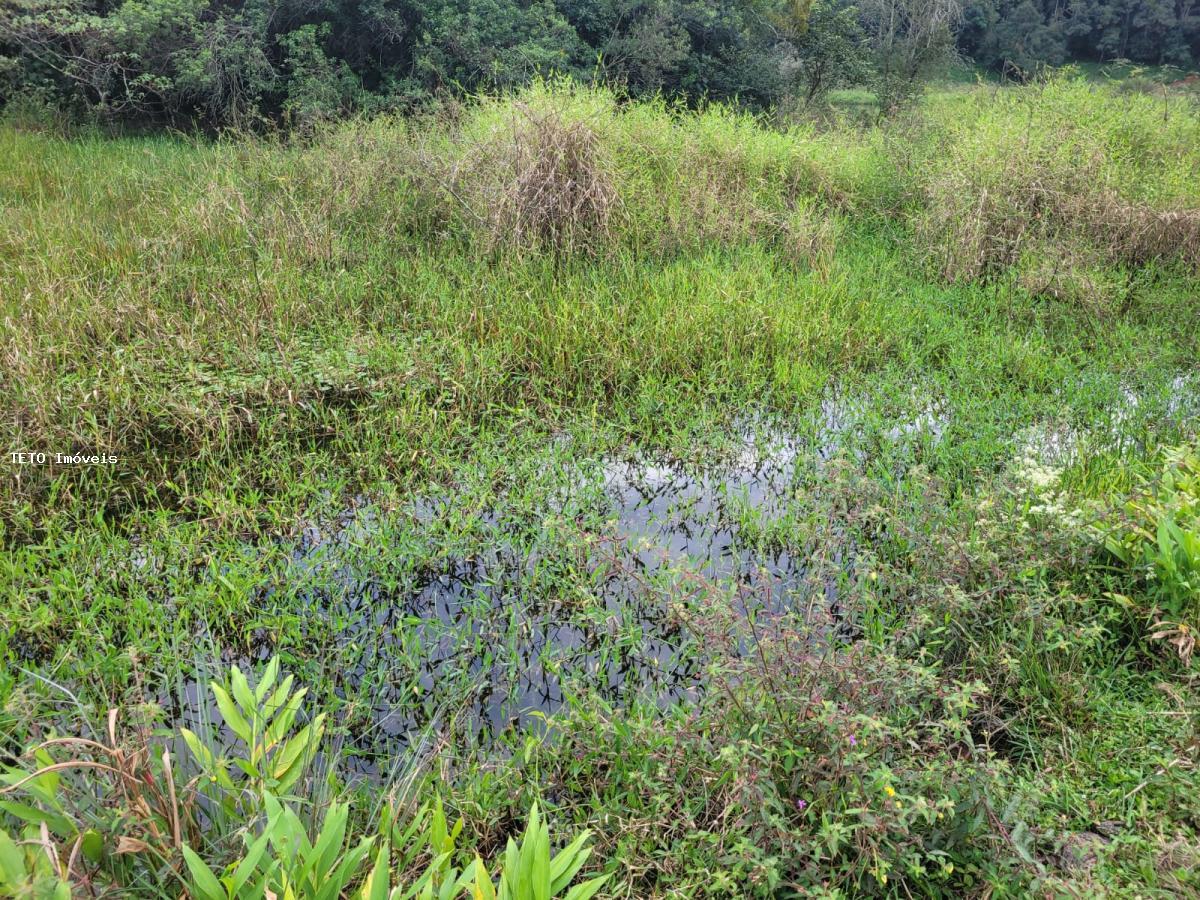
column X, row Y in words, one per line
column 476, row 639
column 491, row 638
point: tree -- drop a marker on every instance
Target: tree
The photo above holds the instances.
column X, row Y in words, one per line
column 910, row 39
column 1023, row 43
column 829, row 47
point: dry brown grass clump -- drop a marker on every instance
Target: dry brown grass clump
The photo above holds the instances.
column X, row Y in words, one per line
column 535, row 179
column 979, row 220
column 1138, row 234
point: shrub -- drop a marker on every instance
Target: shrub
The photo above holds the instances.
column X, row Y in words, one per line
column 811, row 767
column 537, row 179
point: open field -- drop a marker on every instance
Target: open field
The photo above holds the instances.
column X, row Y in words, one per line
column 805, row 511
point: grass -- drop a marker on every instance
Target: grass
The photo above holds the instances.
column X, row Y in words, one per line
column 418, row 406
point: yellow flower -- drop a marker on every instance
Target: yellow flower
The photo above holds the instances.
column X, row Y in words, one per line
column 948, row 868
column 941, row 816
column 890, row 791
column 883, row 878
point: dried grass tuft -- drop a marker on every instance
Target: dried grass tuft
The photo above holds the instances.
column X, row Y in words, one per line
column 539, row 180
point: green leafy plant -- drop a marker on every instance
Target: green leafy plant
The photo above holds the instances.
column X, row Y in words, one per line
column 529, row 872
column 399, row 849
column 284, row 860
column 1158, row 539
column 141, row 829
column 32, row 867
column 262, row 719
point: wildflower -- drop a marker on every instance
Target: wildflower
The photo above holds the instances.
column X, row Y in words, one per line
column 941, row 816
column 889, row 790
column 853, row 741
column 801, row 805
column 883, row 878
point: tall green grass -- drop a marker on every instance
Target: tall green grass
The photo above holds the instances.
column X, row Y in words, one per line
column 179, row 303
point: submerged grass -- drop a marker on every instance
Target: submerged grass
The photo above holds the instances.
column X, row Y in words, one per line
column 745, row 494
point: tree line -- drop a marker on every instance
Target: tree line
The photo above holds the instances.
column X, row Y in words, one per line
column 240, row 63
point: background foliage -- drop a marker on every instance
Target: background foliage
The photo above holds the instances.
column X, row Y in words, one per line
column 239, row 63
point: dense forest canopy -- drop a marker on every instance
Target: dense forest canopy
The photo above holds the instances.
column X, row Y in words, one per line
column 238, row 62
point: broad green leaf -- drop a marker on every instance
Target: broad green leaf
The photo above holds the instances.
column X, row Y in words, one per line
column 539, row 874
column 568, row 862
column 510, row 875
column 482, row 889
column 452, row 885
column 586, row 890
column 204, row 881
column 202, row 754
column 249, row 863
column 328, row 844
column 268, row 679
column 250, row 770
column 49, row 781
column 378, row 883
column 333, row 886
column 12, row 861
column 289, row 764
column 229, row 712
column 241, row 691
column 283, row 721
column 92, row 845
column 222, row 775
column 60, row 825
column 437, row 827
column 272, row 704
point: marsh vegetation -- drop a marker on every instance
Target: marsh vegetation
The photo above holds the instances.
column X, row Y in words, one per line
column 772, row 508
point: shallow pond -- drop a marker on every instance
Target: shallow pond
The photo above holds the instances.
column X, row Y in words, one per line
column 474, row 615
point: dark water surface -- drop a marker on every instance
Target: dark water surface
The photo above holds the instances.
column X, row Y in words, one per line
column 473, row 624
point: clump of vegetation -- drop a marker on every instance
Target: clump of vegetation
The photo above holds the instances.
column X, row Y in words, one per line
column 534, row 174
column 236, row 823
column 1073, row 203
column 1158, row 539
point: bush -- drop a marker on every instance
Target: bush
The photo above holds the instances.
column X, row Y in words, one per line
column 1157, row 538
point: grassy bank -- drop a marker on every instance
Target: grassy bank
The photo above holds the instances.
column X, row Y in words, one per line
column 782, row 504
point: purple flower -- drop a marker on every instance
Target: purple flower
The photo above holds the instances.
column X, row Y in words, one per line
column 801, row 804
column 853, row 741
